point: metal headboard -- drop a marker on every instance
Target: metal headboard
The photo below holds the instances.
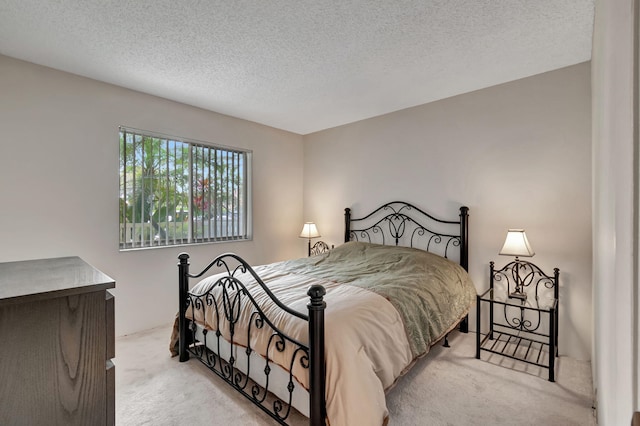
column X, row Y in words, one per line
column 401, row 223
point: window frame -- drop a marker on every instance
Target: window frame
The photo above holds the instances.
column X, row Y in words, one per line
column 244, row 163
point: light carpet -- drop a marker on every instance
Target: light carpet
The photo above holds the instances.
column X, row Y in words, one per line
column 448, row 387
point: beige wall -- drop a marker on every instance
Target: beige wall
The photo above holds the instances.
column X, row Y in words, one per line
column 522, row 151
column 518, row 154
column 59, row 182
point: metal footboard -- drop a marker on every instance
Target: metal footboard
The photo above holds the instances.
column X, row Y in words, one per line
column 226, row 298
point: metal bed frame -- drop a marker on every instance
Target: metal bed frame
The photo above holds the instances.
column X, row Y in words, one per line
column 398, row 223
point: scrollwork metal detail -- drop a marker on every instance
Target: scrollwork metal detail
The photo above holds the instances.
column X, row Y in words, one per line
column 226, row 299
column 531, row 280
column 404, row 224
column 319, row 247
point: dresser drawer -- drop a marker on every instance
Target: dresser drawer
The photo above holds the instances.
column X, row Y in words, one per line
column 111, row 394
column 110, row 321
column 111, row 353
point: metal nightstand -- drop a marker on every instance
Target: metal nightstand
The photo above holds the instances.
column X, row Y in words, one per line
column 522, row 328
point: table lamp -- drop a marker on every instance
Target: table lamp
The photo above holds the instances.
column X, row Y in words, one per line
column 516, row 244
column 309, row 231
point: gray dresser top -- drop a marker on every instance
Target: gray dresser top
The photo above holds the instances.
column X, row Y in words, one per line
column 31, row 280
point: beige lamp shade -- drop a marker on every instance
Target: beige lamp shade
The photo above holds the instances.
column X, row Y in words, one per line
column 516, row 244
column 309, row 230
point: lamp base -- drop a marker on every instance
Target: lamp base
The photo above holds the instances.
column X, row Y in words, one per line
column 518, row 295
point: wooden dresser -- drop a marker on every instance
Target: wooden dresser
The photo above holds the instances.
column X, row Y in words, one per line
column 56, row 343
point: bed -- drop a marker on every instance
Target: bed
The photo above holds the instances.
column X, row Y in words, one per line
column 395, row 287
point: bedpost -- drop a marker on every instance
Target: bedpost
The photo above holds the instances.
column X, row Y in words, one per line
column 183, row 289
column 556, row 293
column 347, row 224
column 464, row 254
column 464, row 237
column 317, row 377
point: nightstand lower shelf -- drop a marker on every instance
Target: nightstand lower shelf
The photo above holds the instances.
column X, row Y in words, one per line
column 520, row 334
column 518, row 348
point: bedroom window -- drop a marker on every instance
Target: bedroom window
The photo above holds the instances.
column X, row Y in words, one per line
column 175, row 191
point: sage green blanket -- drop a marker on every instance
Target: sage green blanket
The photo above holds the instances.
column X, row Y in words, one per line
column 431, row 293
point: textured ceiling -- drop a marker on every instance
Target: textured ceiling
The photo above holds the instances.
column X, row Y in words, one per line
column 300, row 65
